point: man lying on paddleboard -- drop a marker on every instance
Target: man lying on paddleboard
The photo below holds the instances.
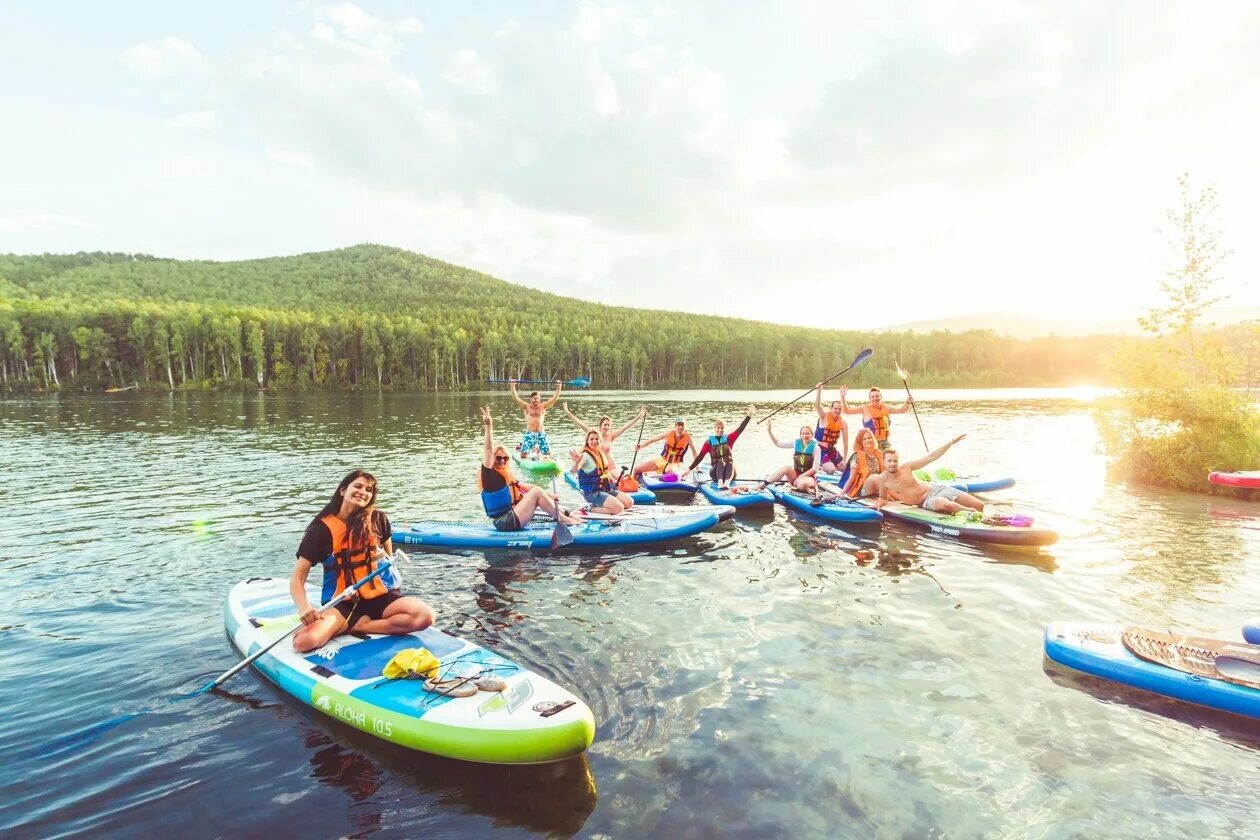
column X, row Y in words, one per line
column 348, row 538
column 535, row 411
column 899, row 484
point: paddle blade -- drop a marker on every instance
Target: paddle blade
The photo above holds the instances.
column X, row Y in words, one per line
column 561, row 536
column 580, row 382
column 862, row 357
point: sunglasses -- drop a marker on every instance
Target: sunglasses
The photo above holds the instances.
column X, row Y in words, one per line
column 500, row 459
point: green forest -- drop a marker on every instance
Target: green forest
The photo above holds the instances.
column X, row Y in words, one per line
column 378, row 317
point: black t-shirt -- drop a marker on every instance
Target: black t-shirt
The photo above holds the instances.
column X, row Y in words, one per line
column 317, row 541
column 491, row 480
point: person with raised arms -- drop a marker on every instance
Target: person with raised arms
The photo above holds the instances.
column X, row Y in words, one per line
column 535, row 443
column 804, row 460
column 875, row 413
column 349, row 537
column 595, row 479
column 832, row 434
column 899, row 484
column 677, row 443
column 508, row 504
column 606, row 433
column 719, row 447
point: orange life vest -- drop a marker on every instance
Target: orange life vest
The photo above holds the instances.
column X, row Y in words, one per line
column 499, row 502
column 675, row 446
column 599, row 479
column 348, row 564
column 828, row 431
column 878, row 424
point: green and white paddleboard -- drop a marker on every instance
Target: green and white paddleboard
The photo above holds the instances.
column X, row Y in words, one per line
column 539, row 468
column 531, row 721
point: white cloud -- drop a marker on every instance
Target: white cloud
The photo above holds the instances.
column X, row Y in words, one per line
column 168, row 56
column 466, row 69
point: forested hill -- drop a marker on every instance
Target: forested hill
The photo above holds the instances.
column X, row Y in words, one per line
column 373, row 316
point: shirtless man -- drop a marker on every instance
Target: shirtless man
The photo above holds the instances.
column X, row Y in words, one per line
column 535, row 410
column 875, row 413
column 898, row 484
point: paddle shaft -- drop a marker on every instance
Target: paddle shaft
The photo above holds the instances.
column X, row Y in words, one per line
column 249, row 660
column 861, row 357
column 572, row 383
column 635, row 456
column 915, row 409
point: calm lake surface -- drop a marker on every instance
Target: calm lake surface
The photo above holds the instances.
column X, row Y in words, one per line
column 773, row 677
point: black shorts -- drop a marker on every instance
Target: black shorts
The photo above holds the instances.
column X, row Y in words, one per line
column 507, row 521
column 369, row 608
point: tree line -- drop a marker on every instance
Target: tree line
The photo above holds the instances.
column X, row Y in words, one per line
column 374, row 317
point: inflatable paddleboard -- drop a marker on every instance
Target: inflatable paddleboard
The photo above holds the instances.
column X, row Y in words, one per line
column 961, row 526
column 531, row 721
column 740, row 501
column 1100, row 650
column 833, row 510
column 965, row 483
column 642, row 496
column 1248, row 480
column 632, row 530
column 542, row 468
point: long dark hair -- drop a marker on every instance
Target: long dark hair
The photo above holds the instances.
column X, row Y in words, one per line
column 362, row 529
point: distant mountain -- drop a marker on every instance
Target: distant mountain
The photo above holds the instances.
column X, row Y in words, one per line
column 1023, row 325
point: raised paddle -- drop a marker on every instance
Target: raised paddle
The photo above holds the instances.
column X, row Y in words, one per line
column 91, row 733
column 859, row 359
column 635, row 456
column 913, row 407
column 580, row 382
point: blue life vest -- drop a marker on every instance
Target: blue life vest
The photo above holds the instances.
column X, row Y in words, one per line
column 802, row 456
column 499, row 502
column 719, row 448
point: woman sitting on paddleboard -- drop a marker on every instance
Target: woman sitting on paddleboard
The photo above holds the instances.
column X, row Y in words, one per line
column 606, row 433
column 596, row 479
column 719, row 447
column 508, row 504
column 804, row 460
column 677, row 443
column 864, row 466
column 348, row 538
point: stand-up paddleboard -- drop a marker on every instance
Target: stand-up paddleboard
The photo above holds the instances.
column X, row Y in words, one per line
column 530, row 721
column 655, row 483
column 750, row 499
column 635, row 529
column 963, row 526
column 1110, row 651
column 642, row 496
column 1246, row 480
column 540, row 468
column 965, row 483
column 832, row 510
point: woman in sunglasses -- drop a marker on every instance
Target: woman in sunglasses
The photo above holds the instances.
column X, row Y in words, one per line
column 509, row 504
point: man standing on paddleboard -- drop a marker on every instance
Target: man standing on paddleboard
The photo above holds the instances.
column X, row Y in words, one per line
column 875, row 414
column 535, row 439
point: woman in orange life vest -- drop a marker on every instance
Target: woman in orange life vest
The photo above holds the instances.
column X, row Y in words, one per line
column 347, row 538
column 677, row 443
column 804, row 460
column 875, row 413
column 718, row 447
column 595, row 478
column 606, row 433
column 507, row 503
column 865, row 465
column 832, row 434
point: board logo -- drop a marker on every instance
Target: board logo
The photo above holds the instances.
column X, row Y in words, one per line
column 512, row 699
column 323, row 703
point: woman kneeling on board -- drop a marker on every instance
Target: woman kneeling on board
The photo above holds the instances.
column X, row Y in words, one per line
column 507, row 503
column 719, row 448
column 348, row 538
column 595, row 478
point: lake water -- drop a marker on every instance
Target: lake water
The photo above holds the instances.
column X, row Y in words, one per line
column 772, row 677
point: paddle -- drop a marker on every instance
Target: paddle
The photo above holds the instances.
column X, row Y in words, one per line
column 859, row 359
column 913, row 407
column 580, row 382
column 635, row 457
column 93, row 732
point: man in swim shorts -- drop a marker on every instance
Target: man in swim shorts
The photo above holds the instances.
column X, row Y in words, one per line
column 534, row 443
column 898, row 484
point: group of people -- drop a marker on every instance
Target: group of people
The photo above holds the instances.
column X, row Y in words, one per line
column 350, row 537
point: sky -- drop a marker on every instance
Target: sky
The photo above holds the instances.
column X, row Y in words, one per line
column 830, row 164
